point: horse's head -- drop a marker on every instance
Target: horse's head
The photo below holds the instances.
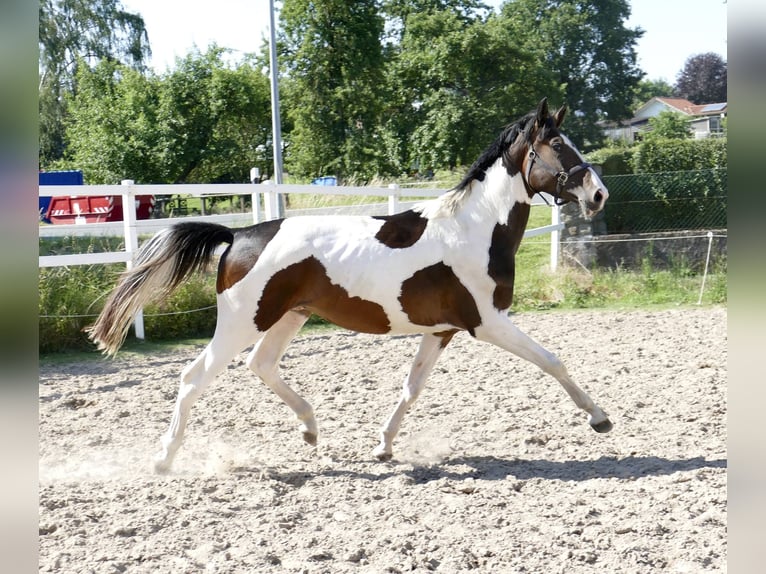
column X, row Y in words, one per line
column 551, row 163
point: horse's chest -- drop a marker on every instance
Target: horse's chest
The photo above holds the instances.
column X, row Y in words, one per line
column 502, row 262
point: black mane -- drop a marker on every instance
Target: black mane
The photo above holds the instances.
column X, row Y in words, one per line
column 495, row 150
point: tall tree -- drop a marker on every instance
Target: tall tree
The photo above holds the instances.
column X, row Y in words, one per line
column 461, row 78
column 586, row 45
column 333, row 60
column 73, row 31
column 214, row 117
column 202, row 122
column 112, row 131
column 648, row 89
column 703, row 79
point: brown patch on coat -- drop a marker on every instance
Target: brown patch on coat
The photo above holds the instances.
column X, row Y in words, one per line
column 240, row 257
column 305, row 285
column 435, row 295
column 446, row 336
column 401, row 230
column 502, row 254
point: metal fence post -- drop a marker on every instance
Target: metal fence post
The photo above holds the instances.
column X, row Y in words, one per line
column 129, row 218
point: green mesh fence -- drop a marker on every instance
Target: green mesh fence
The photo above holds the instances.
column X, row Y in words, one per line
column 668, row 201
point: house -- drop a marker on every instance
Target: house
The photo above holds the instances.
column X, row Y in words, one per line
column 704, row 119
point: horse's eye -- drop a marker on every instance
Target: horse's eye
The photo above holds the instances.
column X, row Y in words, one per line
column 556, row 146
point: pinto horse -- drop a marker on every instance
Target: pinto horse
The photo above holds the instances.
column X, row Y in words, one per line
column 445, row 266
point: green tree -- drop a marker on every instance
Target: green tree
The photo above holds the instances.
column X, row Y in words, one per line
column 668, row 125
column 202, row 122
column 645, row 90
column 586, row 45
column 213, row 118
column 73, row 32
column 460, row 78
column 332, row 56
column 112, row 129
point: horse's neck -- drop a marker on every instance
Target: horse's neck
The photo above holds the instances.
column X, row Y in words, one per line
column 493, row 199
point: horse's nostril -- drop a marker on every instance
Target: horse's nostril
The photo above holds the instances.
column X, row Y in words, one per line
column 598, row 196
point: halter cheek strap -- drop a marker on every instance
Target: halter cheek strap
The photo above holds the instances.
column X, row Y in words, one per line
column 562, row 177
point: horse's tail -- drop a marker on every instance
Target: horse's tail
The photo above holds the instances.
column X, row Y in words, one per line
column 160, row 266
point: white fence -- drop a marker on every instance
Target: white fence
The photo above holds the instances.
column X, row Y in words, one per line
column 130, row 228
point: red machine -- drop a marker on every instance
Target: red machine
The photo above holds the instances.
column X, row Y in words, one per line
column 95, row 208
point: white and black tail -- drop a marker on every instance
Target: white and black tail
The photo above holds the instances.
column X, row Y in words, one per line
column 161, row 264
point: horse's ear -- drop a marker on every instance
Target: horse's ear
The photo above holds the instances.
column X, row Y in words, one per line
column 542, row 112
column 558, row 117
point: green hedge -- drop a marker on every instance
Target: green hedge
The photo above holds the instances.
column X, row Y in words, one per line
column 662, row 155
column 613, row 160
column 680, row 155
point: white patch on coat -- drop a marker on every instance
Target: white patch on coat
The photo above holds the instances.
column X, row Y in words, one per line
column 365, row 267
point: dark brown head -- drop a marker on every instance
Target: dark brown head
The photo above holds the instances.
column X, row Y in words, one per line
column 551, row 163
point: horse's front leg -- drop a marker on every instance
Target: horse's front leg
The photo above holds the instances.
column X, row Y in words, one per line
column 431, row 346
column 502, row 332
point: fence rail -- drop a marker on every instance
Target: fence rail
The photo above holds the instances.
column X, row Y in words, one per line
column 130, row 228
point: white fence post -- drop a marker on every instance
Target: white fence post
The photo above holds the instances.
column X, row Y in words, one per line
column 129, row 218
column 707, row 261
column 393, row 198
column 555, row 237
column 255, row 179
column 271, row 202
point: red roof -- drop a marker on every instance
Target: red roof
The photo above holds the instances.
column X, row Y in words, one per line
column 686, row 107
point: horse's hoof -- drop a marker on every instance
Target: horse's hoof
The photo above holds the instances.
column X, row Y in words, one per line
column 382, row 455
column 603, row 426
column 161, row 466
column 310, row 438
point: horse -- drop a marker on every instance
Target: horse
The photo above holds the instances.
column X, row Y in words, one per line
column 442, row 267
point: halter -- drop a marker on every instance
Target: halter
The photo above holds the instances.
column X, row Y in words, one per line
column 561, row 176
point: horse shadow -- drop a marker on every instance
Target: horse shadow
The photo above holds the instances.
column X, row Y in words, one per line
column 493, row 468
column 631, row 467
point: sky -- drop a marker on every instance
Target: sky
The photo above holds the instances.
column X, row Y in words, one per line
column 674, row 30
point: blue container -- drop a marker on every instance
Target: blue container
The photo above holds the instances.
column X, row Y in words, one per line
column 326, row 180
column 73, row 177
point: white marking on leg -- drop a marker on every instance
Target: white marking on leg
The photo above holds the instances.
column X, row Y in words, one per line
column 431, row 346
column 195, row 378
column 264, row 362
column 503, row 333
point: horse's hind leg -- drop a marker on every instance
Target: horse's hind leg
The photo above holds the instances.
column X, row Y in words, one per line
column 431, row 346
column 506, row 335
column 264, row 362
column 195, row 377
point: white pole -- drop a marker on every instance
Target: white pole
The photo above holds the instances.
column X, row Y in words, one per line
column 707, row 261
column 393, row 198
column 276, row 126
column 129, row 218
column 255, row 178
column 555, row 237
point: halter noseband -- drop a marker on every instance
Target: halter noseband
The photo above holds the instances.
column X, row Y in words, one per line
column 561, row 176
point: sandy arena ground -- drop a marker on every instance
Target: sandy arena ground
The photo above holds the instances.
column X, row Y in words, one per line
column 495, row 469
